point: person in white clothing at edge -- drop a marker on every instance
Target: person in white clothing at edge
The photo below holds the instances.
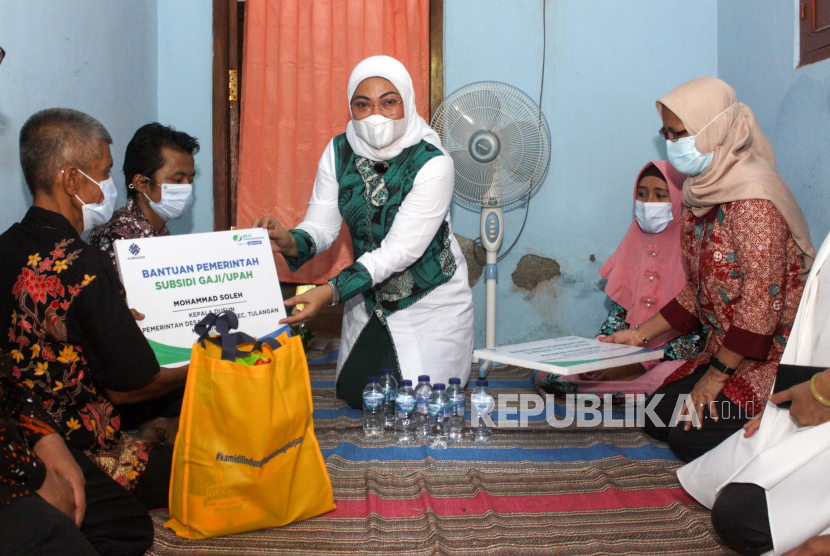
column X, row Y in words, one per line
column 768, row 486
column 408, row 303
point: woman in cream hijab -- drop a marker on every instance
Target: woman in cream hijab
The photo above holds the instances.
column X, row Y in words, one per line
column 408, row 303
column 746, row 246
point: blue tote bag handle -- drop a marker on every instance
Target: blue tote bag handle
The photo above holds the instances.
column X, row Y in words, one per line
column 223, row 323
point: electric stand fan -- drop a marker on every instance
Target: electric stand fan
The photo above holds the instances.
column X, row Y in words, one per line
column 500, row 143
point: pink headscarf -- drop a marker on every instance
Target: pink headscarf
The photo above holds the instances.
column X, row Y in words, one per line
column 646, row 271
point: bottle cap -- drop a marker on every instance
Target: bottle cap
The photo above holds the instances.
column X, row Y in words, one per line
column 423, row 378
column 482, row 383
column 372, row 380
column 439, row 386
column 455, row 381
column 387, row 371
column 406, row 383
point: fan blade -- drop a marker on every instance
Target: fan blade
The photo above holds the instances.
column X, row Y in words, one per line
column 523, row 142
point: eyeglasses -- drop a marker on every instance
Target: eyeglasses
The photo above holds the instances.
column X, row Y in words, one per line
column 672, row 135
column 2, row 55
column 388, row 107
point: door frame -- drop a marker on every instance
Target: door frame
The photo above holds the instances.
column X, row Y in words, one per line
column 226, row 112
column 436, row 55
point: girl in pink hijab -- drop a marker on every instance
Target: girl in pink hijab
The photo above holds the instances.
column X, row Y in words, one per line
column 644, row 273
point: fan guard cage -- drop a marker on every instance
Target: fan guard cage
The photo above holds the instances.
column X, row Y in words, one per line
column 499, row 140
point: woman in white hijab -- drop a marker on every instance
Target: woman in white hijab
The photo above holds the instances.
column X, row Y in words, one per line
column 408, row 303
column 768, row 486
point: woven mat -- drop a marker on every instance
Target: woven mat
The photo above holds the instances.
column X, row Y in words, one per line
column 536, row 490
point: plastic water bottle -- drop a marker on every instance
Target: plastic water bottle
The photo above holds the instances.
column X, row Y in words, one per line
column 438, row 417
column 457, row 398
column 390, row 392
column 373, row 409
column 422, row 393
column 405, row 404
column 482, row 403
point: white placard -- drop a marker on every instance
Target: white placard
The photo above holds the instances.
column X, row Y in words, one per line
column 176, row 280
column 570, row 355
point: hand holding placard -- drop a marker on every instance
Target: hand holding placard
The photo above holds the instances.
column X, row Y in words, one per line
column 281, row 241
column 311, row 301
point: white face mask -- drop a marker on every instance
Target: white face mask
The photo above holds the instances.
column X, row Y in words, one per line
column 100, row 213
column 685, row 157
column 379, row 131
column 176, row 199
column 653, row 218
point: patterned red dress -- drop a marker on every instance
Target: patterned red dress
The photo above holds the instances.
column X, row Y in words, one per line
column 744, row 285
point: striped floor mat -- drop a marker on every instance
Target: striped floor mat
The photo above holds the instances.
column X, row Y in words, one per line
column 536, row 490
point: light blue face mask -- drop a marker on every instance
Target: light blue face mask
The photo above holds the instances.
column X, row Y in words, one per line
column 685, row 157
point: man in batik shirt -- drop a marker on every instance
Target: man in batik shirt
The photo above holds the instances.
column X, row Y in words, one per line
column 71, row 337
column 53, row 499
column 159, row 169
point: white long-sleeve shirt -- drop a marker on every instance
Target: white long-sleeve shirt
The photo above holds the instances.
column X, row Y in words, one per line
column 422, row 212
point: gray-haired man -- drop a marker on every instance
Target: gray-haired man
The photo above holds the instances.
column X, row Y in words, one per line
column 71, row 337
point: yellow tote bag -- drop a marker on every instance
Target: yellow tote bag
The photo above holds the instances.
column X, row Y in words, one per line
column 246, row 457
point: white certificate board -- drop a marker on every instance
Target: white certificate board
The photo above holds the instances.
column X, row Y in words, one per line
column 570, row 355
column 176, row 280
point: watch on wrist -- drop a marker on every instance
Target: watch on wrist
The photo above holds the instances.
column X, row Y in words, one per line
column 718, row 364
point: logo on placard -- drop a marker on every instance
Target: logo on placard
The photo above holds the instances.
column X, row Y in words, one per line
column 133, row 250
column 246, row 239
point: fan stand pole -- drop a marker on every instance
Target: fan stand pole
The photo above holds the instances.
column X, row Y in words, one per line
column 492, row 235
column 491, row 279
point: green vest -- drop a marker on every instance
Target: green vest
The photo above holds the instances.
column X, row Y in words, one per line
column 368, row 203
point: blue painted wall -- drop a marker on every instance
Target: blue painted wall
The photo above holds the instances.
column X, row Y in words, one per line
column 131, row 62
column 607, row 62
column 125, row 62
column 97, row 56
column 757, row 48
column 185, row 88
